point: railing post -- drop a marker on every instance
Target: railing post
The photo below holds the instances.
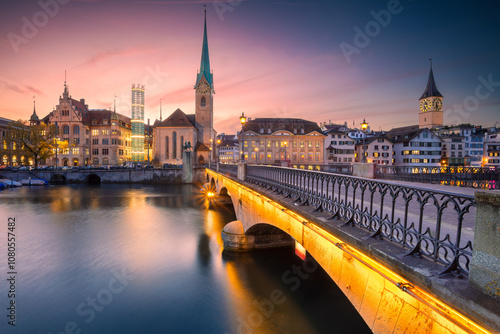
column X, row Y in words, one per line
column 242, row 171
column 484, row 270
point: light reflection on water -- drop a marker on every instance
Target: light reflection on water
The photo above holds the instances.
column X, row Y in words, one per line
column 74, row 241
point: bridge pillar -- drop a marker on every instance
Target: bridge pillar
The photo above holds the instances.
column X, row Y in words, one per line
column 242, row 171
column 484, row 271
column 187, row 167
column 366, row 170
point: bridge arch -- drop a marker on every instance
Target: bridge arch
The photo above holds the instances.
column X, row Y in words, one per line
column 58, row 179
column 93, row 179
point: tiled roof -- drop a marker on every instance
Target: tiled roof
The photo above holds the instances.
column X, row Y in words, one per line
column 177, row 119
column 287, row 124
column 404, row 134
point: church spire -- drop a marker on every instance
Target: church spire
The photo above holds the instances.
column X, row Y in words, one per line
column 160, row 111
column 205, row 59
column 34, row 117
column 431, row 89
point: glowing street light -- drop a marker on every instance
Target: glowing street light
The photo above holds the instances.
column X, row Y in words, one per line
column 364, row 126
column 243, row 120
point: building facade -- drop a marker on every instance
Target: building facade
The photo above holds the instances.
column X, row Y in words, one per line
column 492, row 148
column 282, row 140
column 414, row 146
column 378, row 150
column 138, row 92
column 86, row 136
column 339, row 147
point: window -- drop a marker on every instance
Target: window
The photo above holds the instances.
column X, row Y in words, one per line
column 316, row 157
column 310, row 156
column 317, row 144
column 105, row 141
column 95, row 141
column 166, row 148
column 95, row 161
column 75, row 150
column 120, row 151
column 203, row 102
column 182, row 141
column 309, row 144
column 76, row 130
column 95, row 132
column 105, row 151
column 95, row 151
column 66, row 130
column 76, row 141
column 174, row 145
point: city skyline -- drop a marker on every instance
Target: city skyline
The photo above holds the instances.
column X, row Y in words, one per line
column 316, row 60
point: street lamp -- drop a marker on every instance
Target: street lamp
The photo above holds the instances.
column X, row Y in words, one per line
column 364, row 126
column 218, row 150
column 243, row 120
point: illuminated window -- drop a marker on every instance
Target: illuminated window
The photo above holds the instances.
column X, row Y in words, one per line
column 95, row 132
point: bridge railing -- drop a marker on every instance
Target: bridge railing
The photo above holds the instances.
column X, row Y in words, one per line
column 471, row 177
column 436, row 225
column 228, row 169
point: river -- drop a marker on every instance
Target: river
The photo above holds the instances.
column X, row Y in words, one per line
column 149, row 259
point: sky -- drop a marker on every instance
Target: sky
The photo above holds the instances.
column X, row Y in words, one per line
column 320, row 60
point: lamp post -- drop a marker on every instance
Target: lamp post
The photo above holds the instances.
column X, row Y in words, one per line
column 364, row 126
column 243, row 120
column 257, row 155
column 218, row 150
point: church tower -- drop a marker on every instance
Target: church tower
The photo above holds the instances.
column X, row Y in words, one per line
column 431, row 105
column 204, row 87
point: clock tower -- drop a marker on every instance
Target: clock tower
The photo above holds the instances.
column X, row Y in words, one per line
column 431, row 105
column 204, row 88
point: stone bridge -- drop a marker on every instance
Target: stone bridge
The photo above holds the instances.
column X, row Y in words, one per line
column 392, row 292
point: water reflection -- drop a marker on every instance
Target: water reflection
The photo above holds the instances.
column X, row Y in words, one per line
column 76, row 239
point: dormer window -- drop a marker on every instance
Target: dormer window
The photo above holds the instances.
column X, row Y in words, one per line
column 302, row 131
column 269, row 130
column 261, row 130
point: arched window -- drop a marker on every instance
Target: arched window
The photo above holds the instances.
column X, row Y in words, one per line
column 5, row 145
column 167, row 152
column 13, row 145
column 174, row 145
column 76, row 130
column 66, row 130
column 5, row 160
column 203, row 101
column 14, row 160
column 95, row 161
column 182, row 144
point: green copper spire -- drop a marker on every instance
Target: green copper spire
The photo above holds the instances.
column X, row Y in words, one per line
column 205, row 60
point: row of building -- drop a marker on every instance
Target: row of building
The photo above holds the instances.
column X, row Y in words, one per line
column 102, row 137
column 275, row 141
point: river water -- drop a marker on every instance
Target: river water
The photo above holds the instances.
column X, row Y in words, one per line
column 149, row 259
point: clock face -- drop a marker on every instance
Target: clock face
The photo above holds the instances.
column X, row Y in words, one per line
column 438, row 104
column 203, row 87
column 425, row 105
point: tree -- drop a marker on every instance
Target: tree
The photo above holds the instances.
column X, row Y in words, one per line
column 36, row 140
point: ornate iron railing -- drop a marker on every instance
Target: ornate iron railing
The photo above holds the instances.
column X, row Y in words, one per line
column 471, row 177
column 432, row 224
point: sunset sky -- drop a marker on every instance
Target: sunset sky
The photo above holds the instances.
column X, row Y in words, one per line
column 283, row 58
